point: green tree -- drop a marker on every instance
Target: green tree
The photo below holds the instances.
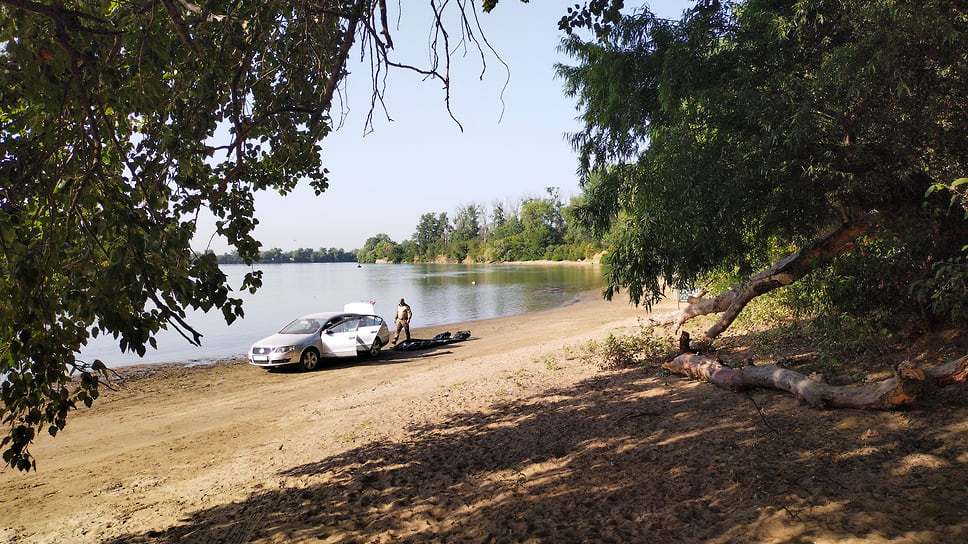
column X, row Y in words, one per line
column 402, row 252
column 466, row 223
column 430, row 235
column 108, row 152
column 302, row 255
column 711, row 141
column 580, row 240
column 540, row 221
column 274, row 255
column 370, row 253
column 498, row 216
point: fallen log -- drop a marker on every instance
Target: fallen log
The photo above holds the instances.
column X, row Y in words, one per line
column 908, row 383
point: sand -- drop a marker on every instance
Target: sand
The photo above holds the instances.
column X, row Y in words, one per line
column 505, row 437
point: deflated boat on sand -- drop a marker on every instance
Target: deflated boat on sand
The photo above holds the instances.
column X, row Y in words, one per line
column 441, row 339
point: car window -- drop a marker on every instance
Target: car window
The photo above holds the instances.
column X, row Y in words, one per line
column 371, row 321
column 347, row 325
column 301, row 326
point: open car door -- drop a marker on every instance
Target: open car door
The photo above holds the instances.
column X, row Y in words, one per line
column 340, row 338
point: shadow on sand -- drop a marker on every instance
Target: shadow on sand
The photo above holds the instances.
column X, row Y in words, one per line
column 630, row 456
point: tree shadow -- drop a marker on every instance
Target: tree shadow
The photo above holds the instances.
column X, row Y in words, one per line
column 630, row 456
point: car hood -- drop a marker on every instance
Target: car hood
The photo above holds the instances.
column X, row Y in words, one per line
column 277, row 340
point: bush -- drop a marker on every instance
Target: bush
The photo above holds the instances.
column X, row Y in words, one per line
column 944, row 293
column 646, row 347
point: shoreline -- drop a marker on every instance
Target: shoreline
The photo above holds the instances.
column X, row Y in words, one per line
column 509, row 436
column 164, row 442
column 208, row 361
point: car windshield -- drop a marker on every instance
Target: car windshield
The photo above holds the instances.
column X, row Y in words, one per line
column 302, row 326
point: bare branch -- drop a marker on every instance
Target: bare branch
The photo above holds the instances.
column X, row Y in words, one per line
column 67, row 17
column 787, row 270
column 197, row 10
column 180, row 28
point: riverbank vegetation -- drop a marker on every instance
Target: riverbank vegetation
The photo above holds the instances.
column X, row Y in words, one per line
column 529, row 229
column 301, row 255
column 808, row 148
column 533, row 228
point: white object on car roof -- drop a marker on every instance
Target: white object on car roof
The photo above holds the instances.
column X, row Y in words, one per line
column 360, row 307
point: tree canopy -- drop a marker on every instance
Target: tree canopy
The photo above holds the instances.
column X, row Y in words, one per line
column 120, row 122
column 715, row 143
column 536, row 228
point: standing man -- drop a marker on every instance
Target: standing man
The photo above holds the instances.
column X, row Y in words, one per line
column 402, row 320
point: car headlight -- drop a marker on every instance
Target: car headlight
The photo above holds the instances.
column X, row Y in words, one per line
column 284, row 349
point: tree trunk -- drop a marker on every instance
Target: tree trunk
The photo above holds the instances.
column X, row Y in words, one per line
column 907, row 385
column 787, row 270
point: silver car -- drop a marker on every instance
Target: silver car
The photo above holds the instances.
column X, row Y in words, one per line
column 329, row 334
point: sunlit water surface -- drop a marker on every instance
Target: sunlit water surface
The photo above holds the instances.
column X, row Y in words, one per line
column 439, row 294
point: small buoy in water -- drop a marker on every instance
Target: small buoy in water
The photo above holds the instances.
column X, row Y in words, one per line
column 473, row 283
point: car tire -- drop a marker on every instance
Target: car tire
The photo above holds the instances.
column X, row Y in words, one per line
column 375, row 348
column 309, row 360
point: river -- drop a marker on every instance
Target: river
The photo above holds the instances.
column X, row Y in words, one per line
column 439, row 294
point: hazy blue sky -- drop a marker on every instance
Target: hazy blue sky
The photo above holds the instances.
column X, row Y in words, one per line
column 421, row 162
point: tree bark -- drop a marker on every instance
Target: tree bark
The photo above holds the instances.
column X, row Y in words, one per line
column 906, row 385
column 787, row 270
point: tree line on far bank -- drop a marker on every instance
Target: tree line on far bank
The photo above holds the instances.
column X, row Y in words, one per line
column 301, row 255
column 534, row 228
column 531, row 229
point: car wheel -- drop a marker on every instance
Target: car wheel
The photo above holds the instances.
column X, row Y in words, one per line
column 309, row 359
column 376, row 347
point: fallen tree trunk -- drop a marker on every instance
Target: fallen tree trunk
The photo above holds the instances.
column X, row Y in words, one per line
column 908, row 383
column 787, row 270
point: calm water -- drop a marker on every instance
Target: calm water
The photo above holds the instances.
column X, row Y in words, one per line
column 438, row 293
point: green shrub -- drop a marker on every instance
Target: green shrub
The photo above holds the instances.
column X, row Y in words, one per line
column 644, row 347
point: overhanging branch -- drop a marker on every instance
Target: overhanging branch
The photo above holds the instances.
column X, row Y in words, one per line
column 787, row 270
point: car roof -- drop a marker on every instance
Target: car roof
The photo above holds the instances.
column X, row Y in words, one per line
column 328, row 315
column 320, row 315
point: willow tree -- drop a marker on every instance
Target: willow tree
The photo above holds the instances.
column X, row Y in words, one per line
column 818, row 126
column 120, row 122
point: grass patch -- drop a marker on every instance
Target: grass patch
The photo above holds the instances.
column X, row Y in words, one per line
column 550, row 361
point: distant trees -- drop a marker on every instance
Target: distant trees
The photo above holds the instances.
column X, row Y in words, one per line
column 376, row 248
column 431, row 233
column 301, row 255
column 533, row 228
column 537, row 228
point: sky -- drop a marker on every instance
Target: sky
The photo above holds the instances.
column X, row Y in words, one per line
column 513, row 144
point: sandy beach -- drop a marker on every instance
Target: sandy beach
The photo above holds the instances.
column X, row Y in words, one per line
column 505, row 437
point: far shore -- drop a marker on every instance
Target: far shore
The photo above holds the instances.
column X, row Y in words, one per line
column 596, row 261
